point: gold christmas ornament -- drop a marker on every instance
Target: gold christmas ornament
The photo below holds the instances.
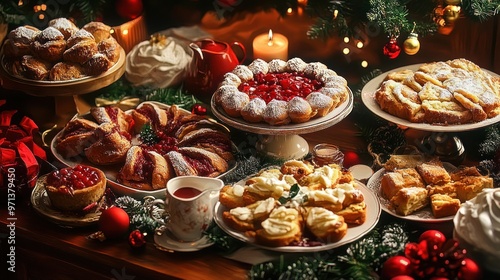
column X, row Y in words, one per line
column 411, row 45
column 451, row 13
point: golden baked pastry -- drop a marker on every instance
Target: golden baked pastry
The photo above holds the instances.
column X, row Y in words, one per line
column 65, row 26
column 112, row 114
column 81, row 46
column 394, row 181
column 325, row 225
column 74, row 188
column 33, row 68
column 19, row 39
column 110, row 147
column 77, row 135
column 281, row 228
column 443, row 205
column 433, row 172
column 248, row 217
column 409, row 200
column 63, row 71
column 145, row 170
column 99, row 30
column 49, row 45
column 403, row 161
column 451, row 92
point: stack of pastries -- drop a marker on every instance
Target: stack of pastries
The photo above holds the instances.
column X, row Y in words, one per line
column 61, row 51
column 177, row 143
column 412, row 182
column 286, row 205
column 450, row 92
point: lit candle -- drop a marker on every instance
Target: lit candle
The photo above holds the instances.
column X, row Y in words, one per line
column 270, row 46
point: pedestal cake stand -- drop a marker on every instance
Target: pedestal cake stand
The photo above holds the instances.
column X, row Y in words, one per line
column 443, row 141
column 284, row 141
column 65, row 93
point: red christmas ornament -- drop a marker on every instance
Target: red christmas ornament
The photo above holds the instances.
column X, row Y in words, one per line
column 469, row 270
column 392, row 49
column 114, row 222
column 136, row 239
column 129, row 9
column 403, row 277
column 433, row 237
column 396, row 266
column 199, row 109
column 351, row 158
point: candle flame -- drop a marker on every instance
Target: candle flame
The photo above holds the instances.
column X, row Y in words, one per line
column 270, row 42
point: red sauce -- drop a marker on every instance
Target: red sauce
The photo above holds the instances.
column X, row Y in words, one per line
column 186, row 192
column 280, row 86
column 112, row 113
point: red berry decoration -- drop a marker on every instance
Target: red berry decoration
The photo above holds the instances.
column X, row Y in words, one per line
column 129, row 9
column 199, row 109
column 392, row 49
column 396, row 266
column 136, row 239
column 469, row 270
column 402, row 277
column 114, row 222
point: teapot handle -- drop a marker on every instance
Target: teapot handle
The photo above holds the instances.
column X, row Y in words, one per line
column 242, row 50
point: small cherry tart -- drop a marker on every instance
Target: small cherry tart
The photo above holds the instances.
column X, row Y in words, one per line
column 74, row 188
column 281, row 81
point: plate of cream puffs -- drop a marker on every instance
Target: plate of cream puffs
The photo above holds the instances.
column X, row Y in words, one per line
column 297, row 207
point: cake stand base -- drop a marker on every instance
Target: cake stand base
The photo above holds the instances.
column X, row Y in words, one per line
column 284, row 147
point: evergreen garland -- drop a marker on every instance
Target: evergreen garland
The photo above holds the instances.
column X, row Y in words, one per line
column 139, row 213
column 363, row 259
column 392, row 17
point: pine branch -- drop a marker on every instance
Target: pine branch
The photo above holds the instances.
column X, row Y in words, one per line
column 481, row 10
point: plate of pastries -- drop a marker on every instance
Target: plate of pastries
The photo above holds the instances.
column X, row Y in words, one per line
column 453, row 95
column 421, row 188
column 297, row 207
column 61, row 58
column 140, row 149
column 289, row 95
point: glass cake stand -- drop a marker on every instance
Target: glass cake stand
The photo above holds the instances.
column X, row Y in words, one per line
column 442, row 140
column 284, row 141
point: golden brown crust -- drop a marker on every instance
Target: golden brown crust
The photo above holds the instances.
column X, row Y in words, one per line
column 64, row 25
column 111, row 146
column 81, row 47
column 97, row 64
column 110, row 48
column 63, row 71
column 443, row 205
column 49, row 45
column 33, row 68
column 99, row 30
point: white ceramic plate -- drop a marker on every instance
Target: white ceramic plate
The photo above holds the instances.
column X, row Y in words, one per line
column 41, row 203
column 111, row 171
column 368, row 98
column 353, row 233
column 423, row 215
column 312, row 125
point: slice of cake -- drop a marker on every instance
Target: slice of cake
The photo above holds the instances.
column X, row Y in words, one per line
column 392, row 182
column 409, row 200
column 433, row 172
column 443, row 205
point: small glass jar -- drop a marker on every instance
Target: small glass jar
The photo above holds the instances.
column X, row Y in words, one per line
column 323, row 154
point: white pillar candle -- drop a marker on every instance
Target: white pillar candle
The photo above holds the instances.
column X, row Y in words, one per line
column 270, row 46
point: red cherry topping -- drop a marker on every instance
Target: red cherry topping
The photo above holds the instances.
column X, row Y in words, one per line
column 73, row 178
column 280, row 86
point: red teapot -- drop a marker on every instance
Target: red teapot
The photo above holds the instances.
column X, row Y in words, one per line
column 211, row 60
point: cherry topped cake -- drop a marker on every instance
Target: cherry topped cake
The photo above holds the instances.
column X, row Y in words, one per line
column 280, row 92
column 74, row 188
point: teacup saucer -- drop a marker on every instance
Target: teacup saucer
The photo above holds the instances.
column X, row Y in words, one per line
column 165, row 241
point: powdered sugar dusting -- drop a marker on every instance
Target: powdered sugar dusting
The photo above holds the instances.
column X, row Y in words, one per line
column 259, row 66
column 243, row 72
column 277, row 66
column 319, row 100
column 296, row 65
